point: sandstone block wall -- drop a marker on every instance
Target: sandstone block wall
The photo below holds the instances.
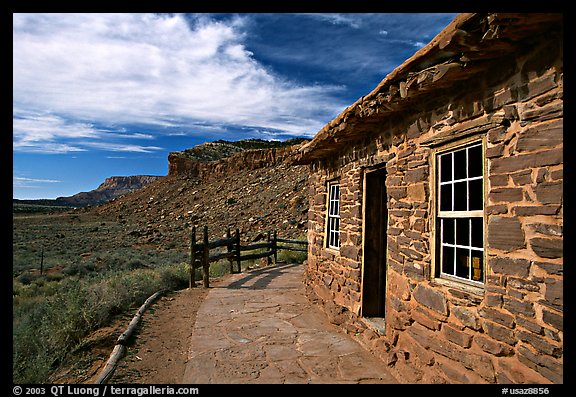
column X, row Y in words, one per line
column 512, row 329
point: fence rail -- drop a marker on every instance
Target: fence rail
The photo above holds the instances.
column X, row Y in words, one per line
column 200, row 256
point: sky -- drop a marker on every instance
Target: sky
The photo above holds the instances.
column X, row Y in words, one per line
column 100, row 95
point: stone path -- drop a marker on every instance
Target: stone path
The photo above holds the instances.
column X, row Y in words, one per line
column 259, row 327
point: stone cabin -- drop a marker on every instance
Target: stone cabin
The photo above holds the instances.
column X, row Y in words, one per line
column 436, row 207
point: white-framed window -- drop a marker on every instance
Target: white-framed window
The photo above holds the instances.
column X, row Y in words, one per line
column 460, row 213
column 333, row 218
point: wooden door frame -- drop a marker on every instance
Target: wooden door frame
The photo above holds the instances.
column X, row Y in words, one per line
column 366, row 173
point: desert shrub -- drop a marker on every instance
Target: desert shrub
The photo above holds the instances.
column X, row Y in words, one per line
column 292, row 256
column 175, row 277
column 47, row 326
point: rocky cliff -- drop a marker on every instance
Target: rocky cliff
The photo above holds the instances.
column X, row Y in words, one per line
column 221, row 158
column 111, row 188
column 254, row 190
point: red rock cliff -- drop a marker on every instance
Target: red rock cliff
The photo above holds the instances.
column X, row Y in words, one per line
column 247, row 159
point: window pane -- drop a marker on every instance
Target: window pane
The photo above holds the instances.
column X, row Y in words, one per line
column 463, row 231
column 475, row 161
column 475, row 194
column 477, row 233
column 448, row 231
column 334, row 208
column 333, row 224
column 462, row 262
column 477, row 266
column 446, row 167
column 448, row 260
column 336, row 193
column 446, row 197
column 460, row 193
column 460, row 164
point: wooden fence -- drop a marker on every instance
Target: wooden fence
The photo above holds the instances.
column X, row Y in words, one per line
column 200, row 256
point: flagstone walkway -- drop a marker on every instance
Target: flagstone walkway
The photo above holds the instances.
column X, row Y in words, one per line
column 259, row 327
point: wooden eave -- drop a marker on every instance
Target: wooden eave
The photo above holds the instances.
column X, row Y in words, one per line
column 467, row 47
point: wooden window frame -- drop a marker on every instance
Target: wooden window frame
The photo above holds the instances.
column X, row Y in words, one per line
column 451, row 279
column 333, row 215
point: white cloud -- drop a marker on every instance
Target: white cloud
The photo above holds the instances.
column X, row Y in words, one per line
column 48, row 133
column 19, row 182
column 23, row 179
column 352, row 20
column 146, row 69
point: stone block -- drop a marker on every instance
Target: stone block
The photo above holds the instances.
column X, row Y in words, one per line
column 423, row 317
column 454, row 371
column 554, row 291
column 493, row 300
column 399, row 320
column 540, row 344
column 396, row 192
column 492, row 346
column 416, row 175
column 499, row 332
column 546, row 229
column 523, row 284
column 350, row 251
column 505, row 233
column 551, row 268
column 318, row 199
column 467, row 316
column 431, row 298
column 496, row 135
column 522, row 178
column 457, row 336
column 531, row 326
column 531, row 210
column 424, row 356
column 505, row 195
column 503, row 165
column 549, row 192
column 553, row 318
column 498, row 180
column 412, row 254
column 551, row 248
column 547, row 367
column 549, row 111
column 417, row 192
column 541, row 136
column 497, row 209
column 539, row 86
column 495, row 151
column 509, row 266
column 516, row 306
column 497, row 316
column 398, row 286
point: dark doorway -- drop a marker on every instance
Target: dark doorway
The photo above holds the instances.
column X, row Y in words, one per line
column 375, row 233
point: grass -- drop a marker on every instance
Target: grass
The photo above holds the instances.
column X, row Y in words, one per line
column 94, row 271
column 51, row 318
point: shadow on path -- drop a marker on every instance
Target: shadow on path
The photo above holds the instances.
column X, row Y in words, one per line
column 261, row 277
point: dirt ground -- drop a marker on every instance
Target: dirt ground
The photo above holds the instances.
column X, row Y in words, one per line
column 159, row 350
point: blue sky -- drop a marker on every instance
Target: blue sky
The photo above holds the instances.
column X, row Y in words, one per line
column 99, row 95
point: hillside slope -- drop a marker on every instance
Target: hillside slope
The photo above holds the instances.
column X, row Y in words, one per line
column 112, row 187
column 255, row 198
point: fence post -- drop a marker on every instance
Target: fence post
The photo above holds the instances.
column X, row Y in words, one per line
column 238, row 250
column 192, row 281
column 275, row 247
column 268, row 259
column 229, row 249
column 42, row 261
column 205, row 262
